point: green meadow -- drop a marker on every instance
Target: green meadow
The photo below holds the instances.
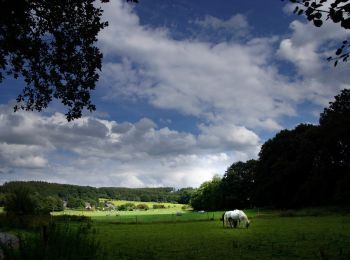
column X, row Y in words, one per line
column 302, row 234
column 174, row 233
column 326, row 237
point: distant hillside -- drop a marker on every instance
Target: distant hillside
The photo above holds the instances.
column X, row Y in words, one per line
column 66, row 191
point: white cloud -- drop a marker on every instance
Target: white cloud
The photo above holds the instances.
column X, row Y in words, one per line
column 233, row 88
column 307, row 49
column 98, row 152
column 231, row 81
column 213, row 28
column 227, row 81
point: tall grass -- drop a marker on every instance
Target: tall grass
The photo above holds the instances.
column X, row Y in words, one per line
column 59, row 241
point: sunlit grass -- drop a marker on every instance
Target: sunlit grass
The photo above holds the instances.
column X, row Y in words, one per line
column 269, row 237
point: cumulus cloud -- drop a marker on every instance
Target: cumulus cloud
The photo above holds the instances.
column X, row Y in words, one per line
column 307, row 48
column 226, row 81
column 102, row 152
column 234, row 89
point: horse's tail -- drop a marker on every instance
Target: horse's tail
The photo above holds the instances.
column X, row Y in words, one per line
column 223, row 219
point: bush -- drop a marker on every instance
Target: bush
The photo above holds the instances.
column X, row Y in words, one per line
column 75, row 203
column 127, row 207
column 59, row 241
column 21, row 200
column 158, row 206
column 75, row 218
column 142, row 206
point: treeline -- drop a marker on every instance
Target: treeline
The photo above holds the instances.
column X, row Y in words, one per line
column 306, row 166
column 78, row 196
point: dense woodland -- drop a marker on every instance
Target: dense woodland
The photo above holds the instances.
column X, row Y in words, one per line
column 52, row 195
column 306, row 166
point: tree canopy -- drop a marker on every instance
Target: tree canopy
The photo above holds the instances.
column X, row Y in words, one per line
column 336, row 11
column 50, row 44
column 305, row 166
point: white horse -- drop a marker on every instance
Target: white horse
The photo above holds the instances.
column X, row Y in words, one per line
column 234, row 218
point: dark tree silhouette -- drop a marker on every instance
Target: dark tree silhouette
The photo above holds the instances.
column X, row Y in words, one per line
column 335, row 125
column 285, row 164
column 237, row 184
column 50, row 44
column 337, row 12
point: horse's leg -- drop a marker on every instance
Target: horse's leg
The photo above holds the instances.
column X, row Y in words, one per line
column 230, row 222
column 235, row 223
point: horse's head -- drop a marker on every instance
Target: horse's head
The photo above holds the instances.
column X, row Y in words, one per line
column 247, row 224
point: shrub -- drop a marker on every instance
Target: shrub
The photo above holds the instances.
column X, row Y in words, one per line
column 59, row 241
column 158, row 206
column 21, row 201
column 75, row 218
column 142, row 206
column 127, row 207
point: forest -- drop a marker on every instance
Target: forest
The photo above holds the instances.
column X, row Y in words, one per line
column 303, row 167
column 51, row 196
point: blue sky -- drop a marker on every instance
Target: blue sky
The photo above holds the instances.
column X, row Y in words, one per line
column 186, row 89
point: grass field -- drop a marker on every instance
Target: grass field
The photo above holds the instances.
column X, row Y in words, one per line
column 149, row 204
column 315, row 233
column 269, row 237
column 171, row 212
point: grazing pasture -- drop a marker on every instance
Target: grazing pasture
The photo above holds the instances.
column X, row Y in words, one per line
column 271, row 236
column 302, row 234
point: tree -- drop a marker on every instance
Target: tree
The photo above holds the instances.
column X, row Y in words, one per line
column 23, row 201
column 336, row 12
column 74, row 202
column 208, row 196
column 50, row 44
column 185, row 195
column 335, row 124
column 285, row 164
column 237, row 184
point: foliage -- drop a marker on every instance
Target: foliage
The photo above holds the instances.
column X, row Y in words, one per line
column 305, row 166
column 158, row 206
column 2, row 199
column 308, row 165
column 185, row 195
column 285, row 164
column 335, row 126
column 336, row 11
column 92, row 194
column 51, row 45
column 237, row 185
column 23, row 201
column 142, row 206
column 60, row 241
column 74, row 203
column 127, row 207
column 208, row 196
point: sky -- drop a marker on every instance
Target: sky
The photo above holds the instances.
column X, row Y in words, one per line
column 187, row 88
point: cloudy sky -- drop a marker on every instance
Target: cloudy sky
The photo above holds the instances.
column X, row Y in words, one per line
column 187, row 88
